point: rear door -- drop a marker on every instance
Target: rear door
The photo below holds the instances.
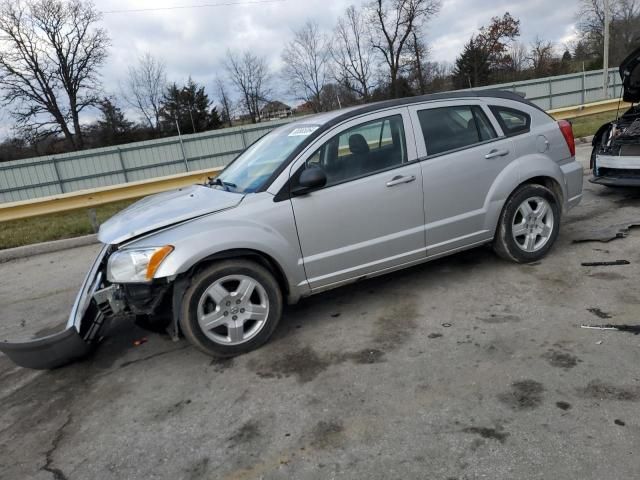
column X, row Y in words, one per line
column 369, row 216
column 462, row 151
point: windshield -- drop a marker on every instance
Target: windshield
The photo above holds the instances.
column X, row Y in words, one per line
column 258, row 162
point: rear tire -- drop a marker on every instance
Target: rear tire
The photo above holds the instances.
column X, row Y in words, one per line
column 231, row 308
column 528, row 225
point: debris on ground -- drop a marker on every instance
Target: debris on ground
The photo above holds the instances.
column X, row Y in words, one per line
column 140, row 341
column 446, row 325
column 605, row 264
column 598, row 312
column 635, row 329
column 620, row 230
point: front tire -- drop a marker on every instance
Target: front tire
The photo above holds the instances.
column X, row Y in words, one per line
column 529, row 224
column 231, row 308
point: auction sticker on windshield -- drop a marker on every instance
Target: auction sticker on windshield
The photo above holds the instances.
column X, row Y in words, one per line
column 302, row 131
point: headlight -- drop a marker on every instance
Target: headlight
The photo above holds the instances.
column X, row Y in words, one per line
column 136, row 265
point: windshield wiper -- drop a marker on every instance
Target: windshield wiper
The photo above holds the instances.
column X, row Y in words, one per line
column 223, row 184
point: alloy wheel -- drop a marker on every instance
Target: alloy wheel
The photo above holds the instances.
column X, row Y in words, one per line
column 533, row 224
column 233, row 309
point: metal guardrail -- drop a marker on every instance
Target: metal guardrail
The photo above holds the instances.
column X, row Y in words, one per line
column 588, row 109
column 131, row 190
column 100, row 196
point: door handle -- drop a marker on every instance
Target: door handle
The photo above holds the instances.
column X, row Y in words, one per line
column 496, row 153
column 399, row 179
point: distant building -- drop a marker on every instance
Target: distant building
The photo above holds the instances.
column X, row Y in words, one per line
column 275, row 110
column 305, row 109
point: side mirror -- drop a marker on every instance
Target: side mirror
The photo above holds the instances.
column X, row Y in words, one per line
column 310, row 179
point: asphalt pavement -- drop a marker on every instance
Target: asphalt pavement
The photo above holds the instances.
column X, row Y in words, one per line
column 464, row 368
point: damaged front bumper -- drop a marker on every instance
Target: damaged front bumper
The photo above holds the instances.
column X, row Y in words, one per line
column 82, row 330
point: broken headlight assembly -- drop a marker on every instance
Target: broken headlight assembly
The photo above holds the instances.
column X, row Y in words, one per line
column 137, row 265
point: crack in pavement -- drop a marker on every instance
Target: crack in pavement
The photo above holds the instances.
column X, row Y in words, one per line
column 149, row 357
column 48, row 466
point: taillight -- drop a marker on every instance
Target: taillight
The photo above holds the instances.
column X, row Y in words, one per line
column 567, row 133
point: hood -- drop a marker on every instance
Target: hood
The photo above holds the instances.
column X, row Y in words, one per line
column 630, row 74
column 164, row 209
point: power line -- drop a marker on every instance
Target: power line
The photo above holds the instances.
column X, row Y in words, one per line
column 185, row 7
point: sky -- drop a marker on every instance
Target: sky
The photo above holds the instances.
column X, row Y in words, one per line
column 194, row 41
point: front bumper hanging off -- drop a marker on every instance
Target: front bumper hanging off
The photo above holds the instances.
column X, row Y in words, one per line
column 82, row 330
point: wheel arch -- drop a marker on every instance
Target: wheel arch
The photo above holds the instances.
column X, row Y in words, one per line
column 500, row 241
column 256, row 256
column 183, row 280
column 599, row 134
column 546, row 181
column 529, row 169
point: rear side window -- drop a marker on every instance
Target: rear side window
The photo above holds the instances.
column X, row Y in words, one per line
column 513, row 122
column 451, row 128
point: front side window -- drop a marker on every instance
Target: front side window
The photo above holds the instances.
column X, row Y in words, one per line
column 362, row 150
column 452, row 128
column 513, row 122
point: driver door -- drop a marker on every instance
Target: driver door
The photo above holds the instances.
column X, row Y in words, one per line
column 369, row 216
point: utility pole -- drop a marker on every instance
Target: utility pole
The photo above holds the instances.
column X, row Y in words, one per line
column 605, row 56
column 193, row 125
column 184, row 155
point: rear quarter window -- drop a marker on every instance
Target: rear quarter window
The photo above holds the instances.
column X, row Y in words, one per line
column 512, row 121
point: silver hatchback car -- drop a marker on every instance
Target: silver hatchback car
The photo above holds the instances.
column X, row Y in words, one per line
column 321, row 202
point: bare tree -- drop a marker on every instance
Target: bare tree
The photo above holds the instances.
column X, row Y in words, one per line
column 353, row 57
column 393, row 22
column 418, row 53
column 306, row 63
column 250, row 75
column 625, row 27
column 51, row 51
column 438, row 76
column 518, row 57
column 225, row 102
column 541, row 57
column 145, row 86
column 337, row 95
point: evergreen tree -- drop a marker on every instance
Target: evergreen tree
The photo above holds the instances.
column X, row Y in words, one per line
column 215, row 121
column 189, row 107
column 471, row 68
column 112, row 120
column 111, row 128
column 486, row 52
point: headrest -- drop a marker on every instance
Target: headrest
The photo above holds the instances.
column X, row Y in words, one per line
column 357, row 144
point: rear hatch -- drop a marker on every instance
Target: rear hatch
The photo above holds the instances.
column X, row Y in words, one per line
column 630, row 75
